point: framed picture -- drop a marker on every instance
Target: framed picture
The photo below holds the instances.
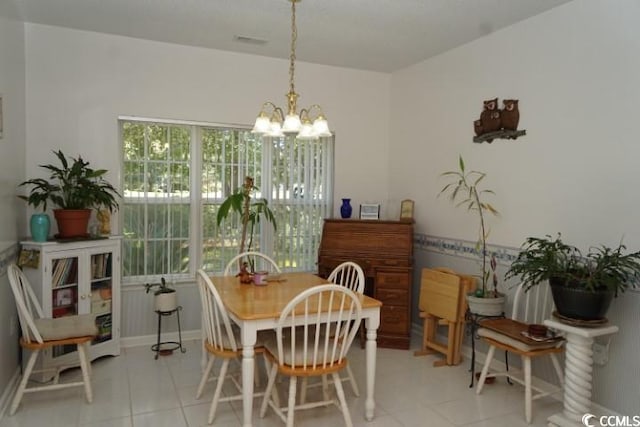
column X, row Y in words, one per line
column 406, row 210
column 369, row 211
column 63, row 297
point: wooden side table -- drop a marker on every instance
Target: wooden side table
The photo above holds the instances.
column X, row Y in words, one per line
column 577, row 371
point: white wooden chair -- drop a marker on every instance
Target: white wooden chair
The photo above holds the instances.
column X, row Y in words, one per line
column 350, row 275
column 40, row 333
column 257, row 260
column 220, row 340
column 531, row 307
column 313, row 349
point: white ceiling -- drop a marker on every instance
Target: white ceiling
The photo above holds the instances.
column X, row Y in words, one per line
column 378, row 35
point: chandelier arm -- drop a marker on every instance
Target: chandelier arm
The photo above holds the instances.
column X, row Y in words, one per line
column 277, row 113
column 306, row 112
column 268, row 104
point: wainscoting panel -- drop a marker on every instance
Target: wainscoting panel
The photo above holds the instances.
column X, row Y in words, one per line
column 139, row 318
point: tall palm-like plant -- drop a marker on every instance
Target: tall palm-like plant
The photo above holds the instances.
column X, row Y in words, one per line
column 250, row 210
column 464, row 191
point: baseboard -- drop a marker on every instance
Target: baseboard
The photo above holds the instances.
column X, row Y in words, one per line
column 152, row 339
column 9, row 391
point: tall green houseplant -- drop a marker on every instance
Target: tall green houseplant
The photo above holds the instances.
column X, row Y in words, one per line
column 464, row 191
column 250, row 210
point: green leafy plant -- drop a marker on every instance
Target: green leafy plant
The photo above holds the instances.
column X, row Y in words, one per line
column 251, row 210
column 464, row 191
column 602, row 268
column 72, row 185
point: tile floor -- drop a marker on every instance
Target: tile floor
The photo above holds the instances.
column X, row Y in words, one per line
column 136, row 390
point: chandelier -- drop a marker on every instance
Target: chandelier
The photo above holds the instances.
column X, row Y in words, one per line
column 272, row 122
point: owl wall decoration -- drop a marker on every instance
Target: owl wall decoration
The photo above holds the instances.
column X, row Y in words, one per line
column 510, row 115
column 498, row 123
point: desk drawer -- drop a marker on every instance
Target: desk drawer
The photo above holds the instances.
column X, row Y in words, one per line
column 393, row 296
column 392, row 279
column 394, row 320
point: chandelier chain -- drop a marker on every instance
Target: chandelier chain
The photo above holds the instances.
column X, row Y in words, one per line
column 294, row 38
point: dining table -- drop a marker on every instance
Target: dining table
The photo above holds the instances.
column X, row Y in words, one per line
column 258, row 307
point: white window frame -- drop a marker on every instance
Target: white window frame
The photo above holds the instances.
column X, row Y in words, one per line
column 196, row 201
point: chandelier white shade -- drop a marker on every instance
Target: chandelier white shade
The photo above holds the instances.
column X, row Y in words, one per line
column 309, row 124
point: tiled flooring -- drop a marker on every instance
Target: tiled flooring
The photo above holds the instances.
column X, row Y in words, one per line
column 136, row 390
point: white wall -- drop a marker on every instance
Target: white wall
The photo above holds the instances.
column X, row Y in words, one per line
column 12, row 161
column 576, row 71
column 78, row 83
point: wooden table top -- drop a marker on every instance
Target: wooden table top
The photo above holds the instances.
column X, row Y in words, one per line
column 253, row 302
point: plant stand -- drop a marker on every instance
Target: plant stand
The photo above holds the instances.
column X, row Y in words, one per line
column 473, row 320
column 577, row 371
column 165, row 348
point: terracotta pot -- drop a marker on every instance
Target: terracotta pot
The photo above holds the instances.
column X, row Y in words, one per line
column 72, row 222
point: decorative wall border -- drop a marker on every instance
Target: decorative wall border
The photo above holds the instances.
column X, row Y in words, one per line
column 7, row 256
column 505, row 255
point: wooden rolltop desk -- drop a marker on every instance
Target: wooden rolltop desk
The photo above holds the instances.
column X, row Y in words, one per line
column 384, row 250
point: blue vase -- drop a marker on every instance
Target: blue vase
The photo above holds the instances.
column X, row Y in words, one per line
column 39, row 225
column 345, row 209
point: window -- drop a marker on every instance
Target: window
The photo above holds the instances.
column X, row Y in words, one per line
column 176, row 175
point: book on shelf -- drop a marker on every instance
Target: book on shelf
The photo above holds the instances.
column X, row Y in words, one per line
column 100, row 265
column 64, row 272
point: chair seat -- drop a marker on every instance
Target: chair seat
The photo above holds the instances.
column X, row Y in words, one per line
column 65, row 327
column 261, row 339
column 512, row 342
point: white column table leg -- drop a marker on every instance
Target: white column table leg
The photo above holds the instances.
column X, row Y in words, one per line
column 577, row 372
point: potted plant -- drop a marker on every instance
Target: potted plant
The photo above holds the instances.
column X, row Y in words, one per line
column 164, row 297
column 250, row 212
column 464, row 191
column 75, row 188
column 582, row 285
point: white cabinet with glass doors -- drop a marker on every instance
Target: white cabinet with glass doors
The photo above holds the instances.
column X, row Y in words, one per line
column 77, row 277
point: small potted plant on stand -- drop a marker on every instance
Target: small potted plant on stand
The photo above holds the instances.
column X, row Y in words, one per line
column 75, row 188
column 464, row 191
column 250, row 212
column 582, row 286
column 164, row 297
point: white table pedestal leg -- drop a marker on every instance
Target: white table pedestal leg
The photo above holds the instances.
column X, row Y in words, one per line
column 371, row 324
column 247, row 384
column 578, row 372
column 249, row 335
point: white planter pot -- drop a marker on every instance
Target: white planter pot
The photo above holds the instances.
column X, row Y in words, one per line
column 486, row 306
column 166, row 301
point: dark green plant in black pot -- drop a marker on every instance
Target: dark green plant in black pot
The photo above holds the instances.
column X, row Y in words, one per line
column 583, row 285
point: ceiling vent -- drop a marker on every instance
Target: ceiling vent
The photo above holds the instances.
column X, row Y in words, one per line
column 250, row 40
